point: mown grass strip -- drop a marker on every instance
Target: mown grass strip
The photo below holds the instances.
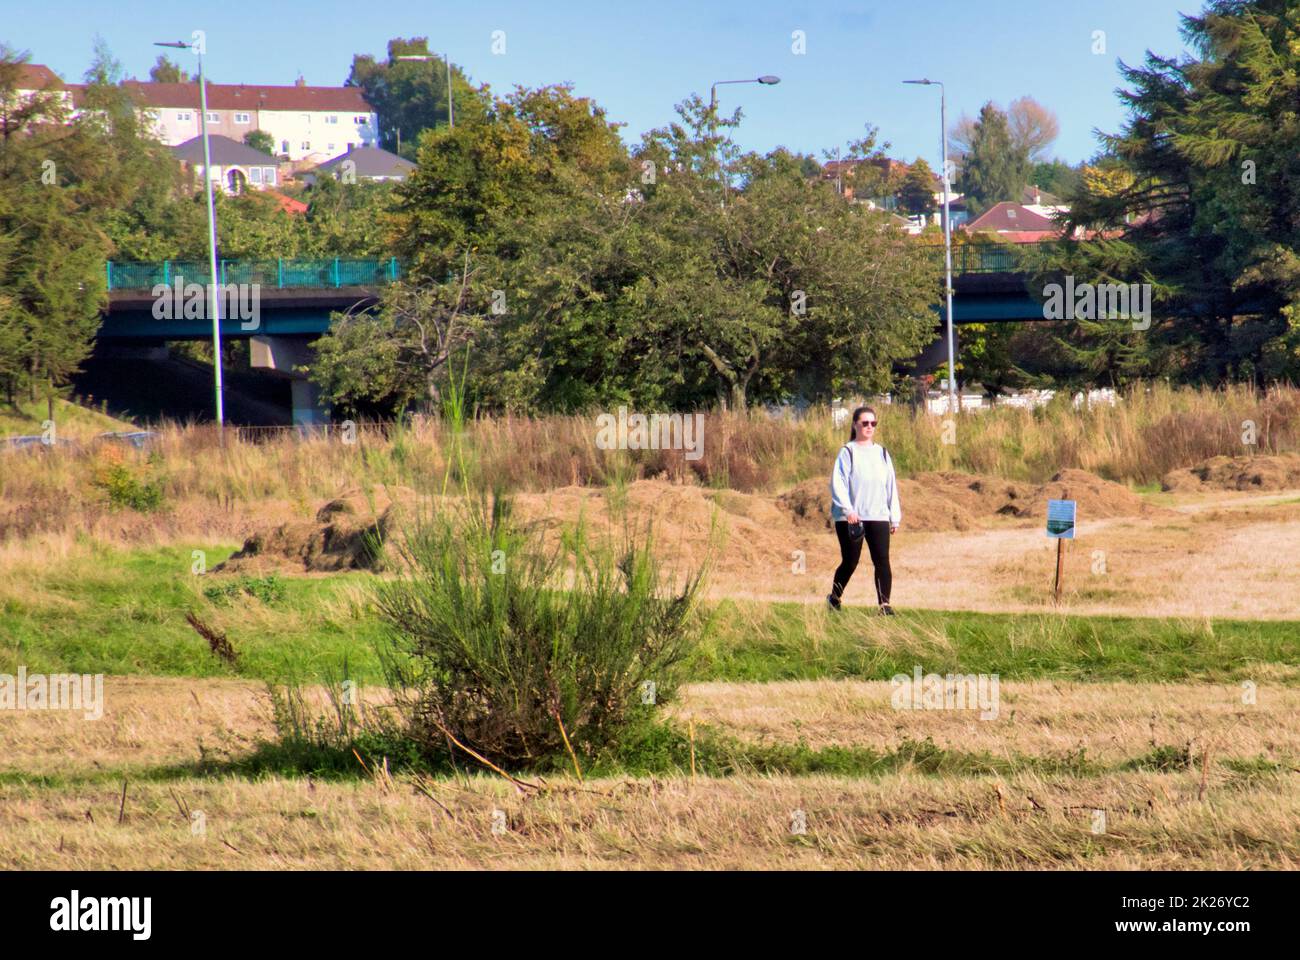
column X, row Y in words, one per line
column 122, row 612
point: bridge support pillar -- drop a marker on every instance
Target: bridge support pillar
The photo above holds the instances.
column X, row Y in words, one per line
column 308, row 411
column 284, row 355
column 936, row 354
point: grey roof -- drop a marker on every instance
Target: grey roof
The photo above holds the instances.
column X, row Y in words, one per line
column 225, row 152
column 371, row 162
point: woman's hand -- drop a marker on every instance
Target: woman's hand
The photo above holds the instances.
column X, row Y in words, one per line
column 852, row 518
column 894, row 529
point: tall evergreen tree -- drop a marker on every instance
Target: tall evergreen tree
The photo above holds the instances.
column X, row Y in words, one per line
column 995, row 168
column 1201, row 196
column 51, row 252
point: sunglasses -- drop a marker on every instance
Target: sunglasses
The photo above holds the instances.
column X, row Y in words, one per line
column 866, row 423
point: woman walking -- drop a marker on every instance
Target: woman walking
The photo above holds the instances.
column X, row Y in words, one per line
column 864, row 507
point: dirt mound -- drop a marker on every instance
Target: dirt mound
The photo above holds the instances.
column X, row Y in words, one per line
column 686, row 520
column 343, row 536
column 756, row 532
column 939, row 502
column 1096, row 497
column 1280, row 472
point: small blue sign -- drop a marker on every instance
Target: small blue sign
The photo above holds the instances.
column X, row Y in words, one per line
column 1060, row 519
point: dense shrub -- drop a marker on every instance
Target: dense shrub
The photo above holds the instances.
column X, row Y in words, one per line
column 125, row 489
column 511, row 646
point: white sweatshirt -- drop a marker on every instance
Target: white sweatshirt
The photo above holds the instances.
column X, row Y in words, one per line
column 863, row 482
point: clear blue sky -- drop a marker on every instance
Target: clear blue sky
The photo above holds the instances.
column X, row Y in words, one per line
column 637, row 58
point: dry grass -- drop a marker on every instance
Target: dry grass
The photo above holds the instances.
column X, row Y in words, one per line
column 1220, row 555
column 1153, row 821
column 156, row 721
column 1112, row 722
column 902, row 820
column 206, row 482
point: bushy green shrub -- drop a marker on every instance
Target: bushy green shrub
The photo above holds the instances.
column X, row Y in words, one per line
column 511, row 647
column 268, row 589
column 125, row 489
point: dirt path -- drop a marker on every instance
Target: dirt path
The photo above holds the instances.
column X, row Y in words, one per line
column 1216, row 555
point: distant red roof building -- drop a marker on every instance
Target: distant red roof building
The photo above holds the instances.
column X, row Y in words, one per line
column 1013, row 218
column 37, row 76
column 247, row 97
column 842, row 170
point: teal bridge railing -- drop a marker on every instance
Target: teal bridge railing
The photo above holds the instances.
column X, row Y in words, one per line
column 984, row 257
column 270, row 274
column 379, row 271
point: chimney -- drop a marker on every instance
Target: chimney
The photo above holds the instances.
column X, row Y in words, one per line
column 300, row 82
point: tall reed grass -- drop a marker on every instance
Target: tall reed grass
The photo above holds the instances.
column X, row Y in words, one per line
column 1152, row 430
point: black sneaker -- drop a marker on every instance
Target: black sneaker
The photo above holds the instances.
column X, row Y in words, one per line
column 886, row 610
column 832, row 602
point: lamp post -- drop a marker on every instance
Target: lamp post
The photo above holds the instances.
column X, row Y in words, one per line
column 766, row 80
column 214, row 286
column 947, row 234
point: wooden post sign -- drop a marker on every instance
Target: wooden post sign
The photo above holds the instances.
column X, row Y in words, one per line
column 1060, row 527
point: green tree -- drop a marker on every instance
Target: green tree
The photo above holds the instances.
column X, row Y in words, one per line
column 395, row 357
column 994, row 169
column 1200, row 197
column 916, row 196
column 410, row 96
column 527, row 195
column 1057, row 178
column 51, row 247
column 260, row 140
column 593, row 277
column 164, row 70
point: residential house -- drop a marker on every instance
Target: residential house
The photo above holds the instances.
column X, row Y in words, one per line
column 305, row 123
column 236, row 167
column 841, row 174
column 36, row 78
column 370, row 164
column 1015, row 223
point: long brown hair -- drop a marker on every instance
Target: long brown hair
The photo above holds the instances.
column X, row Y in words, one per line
column 853, row 423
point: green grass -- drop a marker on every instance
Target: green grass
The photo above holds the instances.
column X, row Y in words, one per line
column 71, row 420
column 786, row 641
column 128, row 611
column 120, row 612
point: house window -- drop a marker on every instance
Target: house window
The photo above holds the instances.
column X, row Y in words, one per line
column 185, row 116
column 268, row 176
column 212, row 117
column 330, row 148
column 284, row 146
column 362, row 121
column 242, row 118
column 332, row 119
column 255, row 174
column 307, row 117
column 306, row 144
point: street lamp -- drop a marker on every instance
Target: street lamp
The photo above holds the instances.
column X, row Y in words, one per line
column 766, row 80
column 214, row 285
column 947, row 234
column 451, row 110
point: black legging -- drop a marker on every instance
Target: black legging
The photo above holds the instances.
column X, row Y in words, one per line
column 877, row 540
